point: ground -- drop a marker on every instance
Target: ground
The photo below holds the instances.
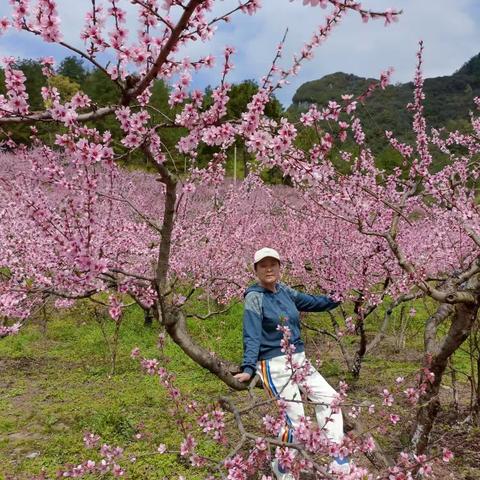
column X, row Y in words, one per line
column 56, row 384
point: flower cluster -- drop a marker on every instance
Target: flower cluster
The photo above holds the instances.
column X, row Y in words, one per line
column 107, row 464
column 16, row 101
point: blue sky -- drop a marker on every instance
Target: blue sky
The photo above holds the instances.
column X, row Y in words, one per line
column 449, row 28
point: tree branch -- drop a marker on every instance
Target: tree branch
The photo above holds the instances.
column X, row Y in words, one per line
column 164, row 53
column 47, row 117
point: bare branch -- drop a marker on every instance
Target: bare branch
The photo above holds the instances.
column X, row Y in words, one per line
column 443, row 297
column 153, row 12
column 386, row 318
column 55, row 293
column 47, row 117
column 164, row 53
column 211, row 314
column 228, row 405
column 134, row 208
column 134, row 275
column 320, row 330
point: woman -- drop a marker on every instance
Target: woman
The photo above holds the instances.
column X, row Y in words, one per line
column 269, row 303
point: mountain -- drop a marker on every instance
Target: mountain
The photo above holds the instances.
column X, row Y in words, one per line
column 449, row 99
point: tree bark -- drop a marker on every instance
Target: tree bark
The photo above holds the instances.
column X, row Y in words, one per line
column 148, row 316
column 476, row 407
column 360, row 353
column 245, row 161
column 173, row 318
column 176, row 327
column 430, row 334
column 436, row 360
column 166, row 234
column 360, row 330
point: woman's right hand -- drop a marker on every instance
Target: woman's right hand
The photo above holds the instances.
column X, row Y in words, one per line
column 242, row 377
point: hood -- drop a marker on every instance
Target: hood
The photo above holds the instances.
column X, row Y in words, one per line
column 256, row 288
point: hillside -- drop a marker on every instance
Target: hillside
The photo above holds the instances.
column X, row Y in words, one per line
column 449, row 99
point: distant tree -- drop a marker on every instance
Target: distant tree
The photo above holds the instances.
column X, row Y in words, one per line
column 100, row 88
column 103, row 91
column 32, row 69
column 240, row 96
column 72, row 67
column 66, row 87
column 35, row 80
column 472, row 67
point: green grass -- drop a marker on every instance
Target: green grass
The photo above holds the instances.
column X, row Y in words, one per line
column 56, row 385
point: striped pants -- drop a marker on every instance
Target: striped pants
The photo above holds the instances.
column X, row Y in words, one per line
column 276, row 377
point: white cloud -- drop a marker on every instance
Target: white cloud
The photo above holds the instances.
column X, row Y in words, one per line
column 449, row 28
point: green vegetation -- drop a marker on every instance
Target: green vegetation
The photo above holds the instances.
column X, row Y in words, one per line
column 55, row 386
column 73, row 75
column 448, row 101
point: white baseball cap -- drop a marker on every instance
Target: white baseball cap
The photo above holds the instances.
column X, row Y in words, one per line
column 265, row 252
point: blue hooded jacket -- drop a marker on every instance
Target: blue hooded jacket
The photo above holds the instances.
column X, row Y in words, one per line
column 263, row 312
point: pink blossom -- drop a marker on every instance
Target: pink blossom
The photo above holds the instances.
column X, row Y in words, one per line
column 394, row 419
column 115, row 309
column 91, row 440
column 387, row 398
column 135, row 353
column 447, row 455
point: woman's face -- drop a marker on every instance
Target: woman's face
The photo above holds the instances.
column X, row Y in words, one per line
column 268, row 272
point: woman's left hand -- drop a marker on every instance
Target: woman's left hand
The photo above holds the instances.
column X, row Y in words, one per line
column 242, row 377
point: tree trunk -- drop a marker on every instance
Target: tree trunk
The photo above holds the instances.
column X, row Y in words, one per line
column 176, row 327
column 169, row 316
column 476, row 408
column 166, row 234
column 360, row 330
column 455, row 400
column 245, row 161
column 44, row 321
column 338, row 338
column 436, row 361
column 362, row 348
column 148, row 317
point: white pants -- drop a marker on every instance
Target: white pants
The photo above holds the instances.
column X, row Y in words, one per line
column 276, row 377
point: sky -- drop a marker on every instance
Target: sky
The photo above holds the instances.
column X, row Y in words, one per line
column 450, row 30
